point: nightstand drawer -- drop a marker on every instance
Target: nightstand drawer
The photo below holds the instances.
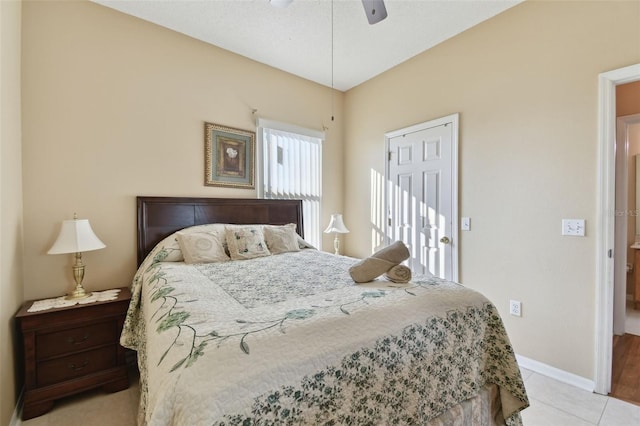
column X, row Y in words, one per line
column 75, row 339
column 72, row 366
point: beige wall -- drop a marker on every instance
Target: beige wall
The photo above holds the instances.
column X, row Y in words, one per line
column 526, row 86
column 11, row 291
column 114, row 107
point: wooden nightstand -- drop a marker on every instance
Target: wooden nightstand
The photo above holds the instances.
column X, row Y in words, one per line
column 70, row 350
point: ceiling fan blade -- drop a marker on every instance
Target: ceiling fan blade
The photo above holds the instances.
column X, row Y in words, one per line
column 375, row 10
column 280, row 3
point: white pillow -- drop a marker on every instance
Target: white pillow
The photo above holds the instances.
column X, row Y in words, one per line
column 202, row 247
column 246, row 242
column 281, row 239
column 171, row 251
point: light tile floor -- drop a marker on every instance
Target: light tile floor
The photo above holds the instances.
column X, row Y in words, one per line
column 552, row 404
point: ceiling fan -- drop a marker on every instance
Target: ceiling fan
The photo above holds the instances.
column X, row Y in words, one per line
column 374, row 9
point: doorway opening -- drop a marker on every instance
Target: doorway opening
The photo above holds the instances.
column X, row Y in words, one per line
column 606, row 241
column 626, row 319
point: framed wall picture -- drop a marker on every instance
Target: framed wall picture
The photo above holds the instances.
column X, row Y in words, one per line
column 229, row 156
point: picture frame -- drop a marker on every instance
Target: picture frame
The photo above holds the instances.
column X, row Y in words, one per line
column 229, row 156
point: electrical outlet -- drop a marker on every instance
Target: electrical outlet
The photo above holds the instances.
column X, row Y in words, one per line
column 515, row 308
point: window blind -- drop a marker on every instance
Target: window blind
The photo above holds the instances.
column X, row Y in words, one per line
column 292, row 169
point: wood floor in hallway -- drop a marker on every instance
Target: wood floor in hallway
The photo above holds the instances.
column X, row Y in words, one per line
column 625, row 376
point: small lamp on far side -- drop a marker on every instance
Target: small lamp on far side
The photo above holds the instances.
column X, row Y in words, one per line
column 76, row 236
column 336, row 225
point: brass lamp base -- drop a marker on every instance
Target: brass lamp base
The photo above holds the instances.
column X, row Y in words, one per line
column 78, row 293
column 78, row 275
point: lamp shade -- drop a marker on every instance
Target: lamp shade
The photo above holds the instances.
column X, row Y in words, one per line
column 336, row 225
column 76, row 236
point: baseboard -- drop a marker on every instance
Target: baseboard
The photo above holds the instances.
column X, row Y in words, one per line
column 556, row 373
column 17, row 413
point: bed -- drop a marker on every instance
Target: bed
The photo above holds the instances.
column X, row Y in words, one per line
column 289, row 339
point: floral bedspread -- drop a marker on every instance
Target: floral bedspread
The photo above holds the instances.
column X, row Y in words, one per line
column 290, row 339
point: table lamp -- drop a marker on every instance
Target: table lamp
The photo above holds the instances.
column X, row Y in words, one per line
column 336, row 225
column 76, row 236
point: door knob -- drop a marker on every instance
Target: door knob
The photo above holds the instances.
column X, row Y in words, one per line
column 445, row 240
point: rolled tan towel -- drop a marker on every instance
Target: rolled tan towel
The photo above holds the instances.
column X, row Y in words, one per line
column 380, row 262
column 398, row 274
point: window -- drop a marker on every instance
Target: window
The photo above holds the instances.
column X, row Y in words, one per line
column 291, row 168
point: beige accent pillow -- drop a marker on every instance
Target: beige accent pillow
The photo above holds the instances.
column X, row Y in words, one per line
column 281, row 239
column 173, row 252
column 246, row 242
column 202, row 247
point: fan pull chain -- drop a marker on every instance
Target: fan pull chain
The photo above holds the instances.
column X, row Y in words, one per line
column 332, row 88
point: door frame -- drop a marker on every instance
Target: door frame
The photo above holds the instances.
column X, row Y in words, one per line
column 605, row 232
column 453, row 120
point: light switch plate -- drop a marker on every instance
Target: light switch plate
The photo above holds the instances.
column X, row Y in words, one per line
column 574, row 227
column 465, row 224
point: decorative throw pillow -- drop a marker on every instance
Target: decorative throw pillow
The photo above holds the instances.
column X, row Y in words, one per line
column 202, row 247
column 246, row 242
column 170, row 251
column 281, row 239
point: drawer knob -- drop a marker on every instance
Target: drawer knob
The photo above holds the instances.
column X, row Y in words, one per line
column 73, row 341
column 79, row 367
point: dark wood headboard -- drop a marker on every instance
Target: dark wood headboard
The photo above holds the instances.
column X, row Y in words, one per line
column 159, row 217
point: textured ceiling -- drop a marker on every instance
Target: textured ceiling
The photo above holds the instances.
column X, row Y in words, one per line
column 298, row 39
